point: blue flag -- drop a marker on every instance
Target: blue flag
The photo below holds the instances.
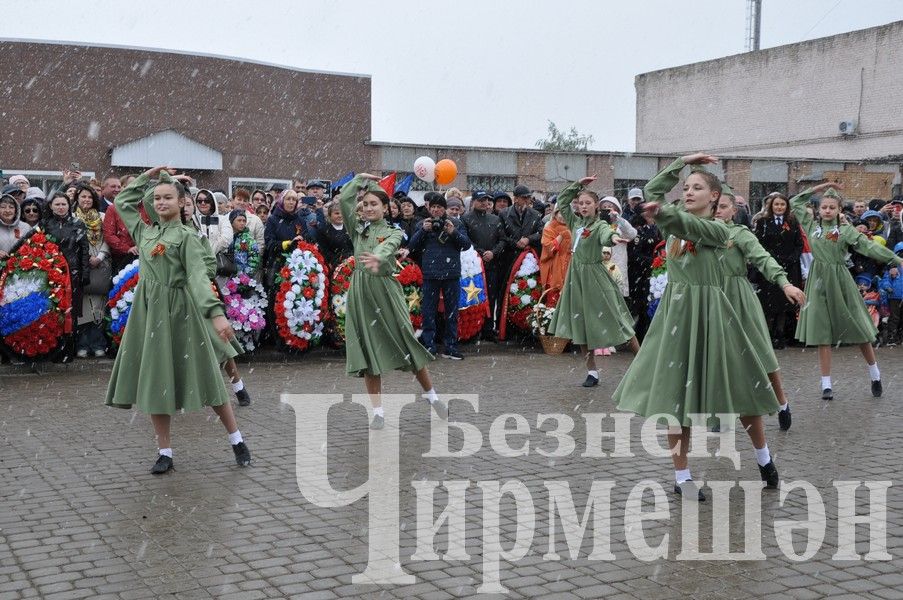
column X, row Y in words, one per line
column 346, row 179
column 405, row 184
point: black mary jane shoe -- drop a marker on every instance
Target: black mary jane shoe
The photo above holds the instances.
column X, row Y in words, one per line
column 163, row 464
column 242, row 454
column 784, row 418
column 770, row 476
column 689, row 489
column 827, row 394
column 877, row 390
column 590, row 381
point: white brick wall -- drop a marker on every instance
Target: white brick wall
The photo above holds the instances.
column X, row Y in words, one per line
column 784, row 101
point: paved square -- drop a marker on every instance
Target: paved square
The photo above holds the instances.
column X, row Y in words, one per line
column 82, row 518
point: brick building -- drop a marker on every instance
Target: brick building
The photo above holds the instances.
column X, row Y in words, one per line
column 617, row 172
column 224, row 121
column 230, row 122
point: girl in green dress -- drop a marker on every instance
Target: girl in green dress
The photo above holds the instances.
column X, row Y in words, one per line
column 378, row 332
column 225, row 351
column 835, row 313
column 696, row 359
column 167, row 361
column 744, row 248
column 591, row 311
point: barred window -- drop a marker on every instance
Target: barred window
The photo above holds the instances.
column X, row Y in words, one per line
column 623, row 186
column 759, row 189
column 491, row 183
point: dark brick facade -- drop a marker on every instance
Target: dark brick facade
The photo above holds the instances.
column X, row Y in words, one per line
column 62, row 103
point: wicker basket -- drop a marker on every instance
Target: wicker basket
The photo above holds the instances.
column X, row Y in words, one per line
column 552, row 344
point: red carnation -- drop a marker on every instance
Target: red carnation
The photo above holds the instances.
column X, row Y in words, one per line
column 586, row 233
column 26, row 264
column 521, row 285
column 308, row 293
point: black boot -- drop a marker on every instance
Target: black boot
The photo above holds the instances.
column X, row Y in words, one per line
column 827, row 394
column 590, row 381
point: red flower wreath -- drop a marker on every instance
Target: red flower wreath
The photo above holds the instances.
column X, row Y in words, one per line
column 411, row 279
column 37, row 258
column 302, row 300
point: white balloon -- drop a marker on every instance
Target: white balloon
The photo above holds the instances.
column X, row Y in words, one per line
column 425, row 168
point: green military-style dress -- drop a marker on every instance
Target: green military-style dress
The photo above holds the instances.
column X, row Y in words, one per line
column 696, row 357
column 591, row 311
column 744, row 247
column 834, row 312
column 167, row 361
column 378, row 332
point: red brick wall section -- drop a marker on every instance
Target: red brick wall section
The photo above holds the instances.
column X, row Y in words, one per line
column 736, row 172
column 531, row 170
column 63, row 103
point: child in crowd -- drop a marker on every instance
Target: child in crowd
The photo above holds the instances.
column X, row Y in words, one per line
column 892, row 287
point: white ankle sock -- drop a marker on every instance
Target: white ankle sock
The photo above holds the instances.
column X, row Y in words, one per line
column 431, row 395
column 763, row 456
column 874, row 372
column 238, row 386
column 378, row 412
column 681, row 475
column 784, row 406
column 593, row 374
column 235, row 437
column 826, row 382
column 166, row 452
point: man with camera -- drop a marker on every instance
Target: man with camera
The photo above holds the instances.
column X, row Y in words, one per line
column 441, row 240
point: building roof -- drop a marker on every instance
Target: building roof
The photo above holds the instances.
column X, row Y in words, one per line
column 182, row 52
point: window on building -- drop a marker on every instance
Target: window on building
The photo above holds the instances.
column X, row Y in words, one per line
column 759, row 189
column 46, row 180
column 623, row 186
column 491, row 183
column 255, row 183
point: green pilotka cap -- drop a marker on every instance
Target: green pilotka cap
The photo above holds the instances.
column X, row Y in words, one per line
column 832, row 193
column 727, row 191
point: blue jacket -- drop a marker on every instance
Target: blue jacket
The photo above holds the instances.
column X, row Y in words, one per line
column 441, row 253
column 892, row 287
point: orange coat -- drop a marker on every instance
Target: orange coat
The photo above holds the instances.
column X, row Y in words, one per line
column 555, row 257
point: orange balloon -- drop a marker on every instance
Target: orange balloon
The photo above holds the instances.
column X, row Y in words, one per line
column 446, row 171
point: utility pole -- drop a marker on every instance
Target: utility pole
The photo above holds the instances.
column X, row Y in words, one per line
column 753, row 24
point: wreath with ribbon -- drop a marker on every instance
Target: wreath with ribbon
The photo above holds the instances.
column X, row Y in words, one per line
column 411, row 279
column 338, row 297
column 473, row 302
column 35, row 297
column 246, row 302
column 302, row 301
column 522, row 293
column 119, row 301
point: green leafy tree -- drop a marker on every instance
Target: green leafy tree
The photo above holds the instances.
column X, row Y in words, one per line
column 561, row 141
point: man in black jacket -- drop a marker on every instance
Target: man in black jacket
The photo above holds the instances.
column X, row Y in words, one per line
column 485, row 232
column 441, row 239
column 522, row 227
